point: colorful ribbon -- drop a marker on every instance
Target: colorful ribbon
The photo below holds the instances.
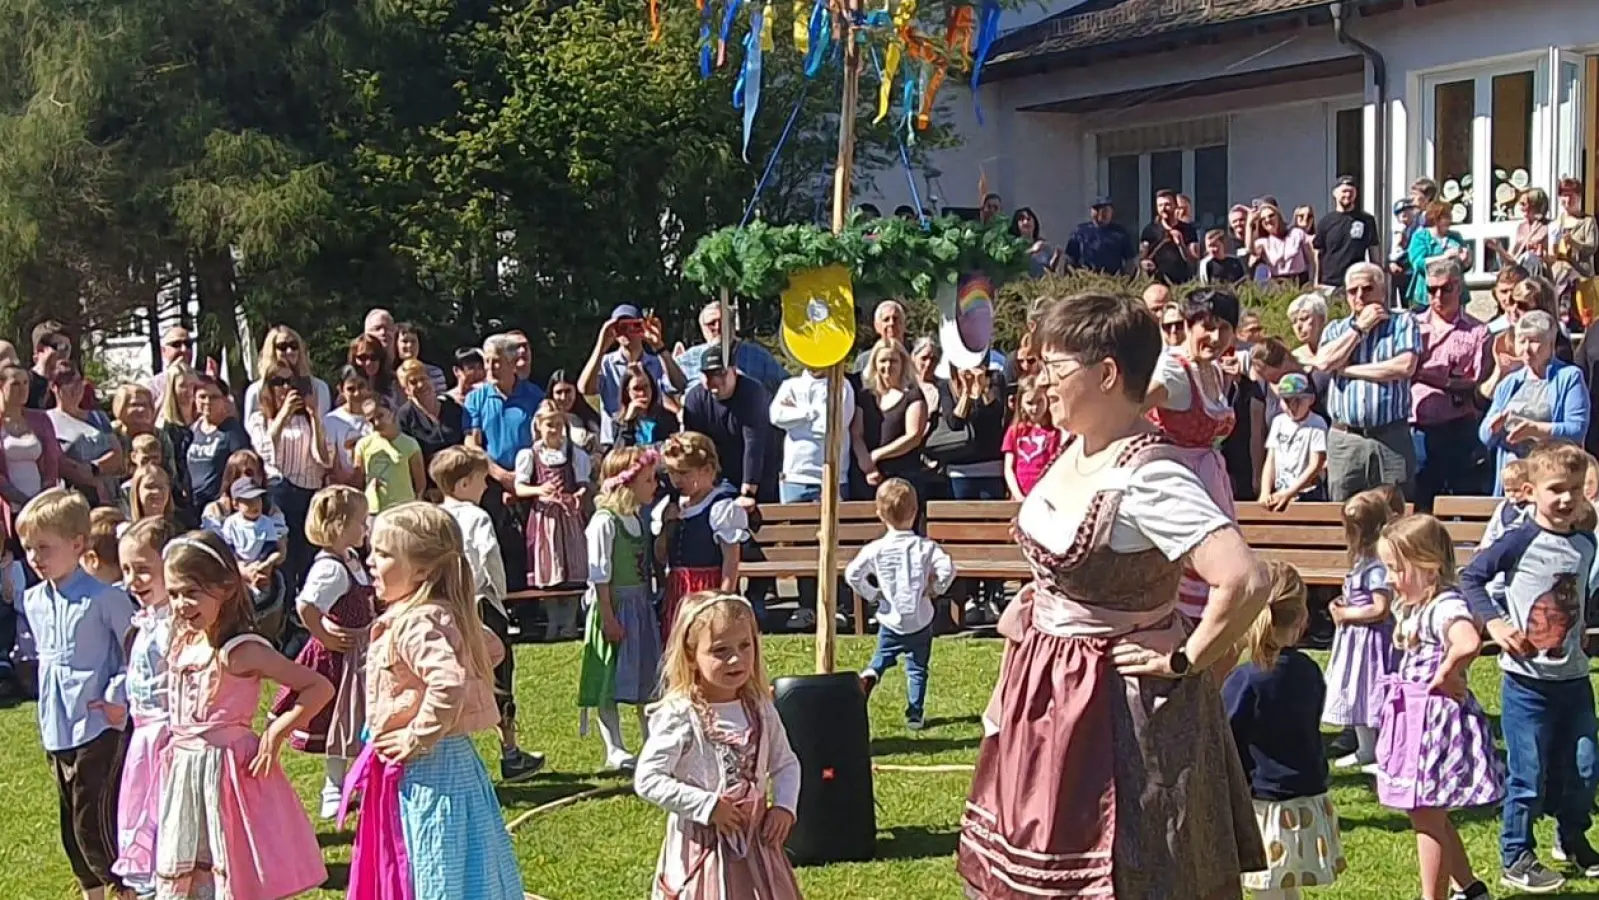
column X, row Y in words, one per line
column 820, row 38
column 727, row 29
column 747, row 89
column 802, row 28
column 705, row 39
column 987, row 33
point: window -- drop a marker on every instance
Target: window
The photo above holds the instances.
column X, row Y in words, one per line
column 1349, row 144
column 1454, row 109
column 1189, row 157
column 1210, row 188
column 1166, row 172
column 1121, row 185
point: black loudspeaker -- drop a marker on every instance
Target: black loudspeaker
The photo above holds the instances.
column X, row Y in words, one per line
column 825, row 716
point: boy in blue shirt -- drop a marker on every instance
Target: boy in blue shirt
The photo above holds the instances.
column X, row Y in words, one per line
column 79, row 624
column 1548, row 702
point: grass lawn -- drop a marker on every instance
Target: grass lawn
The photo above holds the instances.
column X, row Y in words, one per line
column 605, row 849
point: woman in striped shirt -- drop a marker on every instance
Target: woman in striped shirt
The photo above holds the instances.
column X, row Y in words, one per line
column 288, row 434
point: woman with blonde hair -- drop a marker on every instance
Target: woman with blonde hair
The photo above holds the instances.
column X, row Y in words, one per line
column 1530, row 248
column 283, row 346
column 893, row 414
column 1278, row 250
column 430, row 416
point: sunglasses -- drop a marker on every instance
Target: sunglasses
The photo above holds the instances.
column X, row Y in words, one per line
column 180, row 344
column 365, row 358
column 278, row 381
column 286, row 346
column 1436, row 289
column 1174, row 327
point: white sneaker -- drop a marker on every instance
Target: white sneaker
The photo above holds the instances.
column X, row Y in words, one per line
column 621, row 761
column 1558, row 852
column 802, row 620
column 332, row 795
column 1352, row 761
column 1370, row 769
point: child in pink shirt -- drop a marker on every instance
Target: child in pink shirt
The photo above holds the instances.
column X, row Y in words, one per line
column 1032, row 440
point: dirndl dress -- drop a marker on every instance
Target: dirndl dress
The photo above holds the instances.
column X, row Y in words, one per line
column 225, row 832
column 336, row 728
column 1362, row 655
column 1303, row 848
column 1088, row 783
column 628, row 671
column 144, row 765
column 556, row 551
column 694, row 548
column 1196, row 434
column 1433, row 751
column 431, row 829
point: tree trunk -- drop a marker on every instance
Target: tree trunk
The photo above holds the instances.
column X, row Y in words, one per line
column 218, row 325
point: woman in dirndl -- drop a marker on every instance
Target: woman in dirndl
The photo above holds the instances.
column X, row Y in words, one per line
column 1188, row 400
column 1107, row 767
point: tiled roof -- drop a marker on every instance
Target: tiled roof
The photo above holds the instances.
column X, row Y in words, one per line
column 1099, row 22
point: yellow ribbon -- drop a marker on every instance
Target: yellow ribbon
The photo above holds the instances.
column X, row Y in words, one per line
column 802, row 26
column 891, row 58
column 768, row 19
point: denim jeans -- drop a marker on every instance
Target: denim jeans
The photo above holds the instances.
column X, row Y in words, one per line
column 917, row 648
column 1549, row 729
column 982, row 488
column 789, row 492
column 1446, row 460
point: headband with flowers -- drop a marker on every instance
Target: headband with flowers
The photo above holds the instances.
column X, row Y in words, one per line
column 645, row 460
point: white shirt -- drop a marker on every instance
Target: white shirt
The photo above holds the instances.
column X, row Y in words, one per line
column 600, row 535
column 252, row 398
column 1294, row 446
column 910, row 571
column 482, row 550
column 527, row 463
column 341, row 426
column 1171, row 374
column 250, row 539
column 800, row 409
column 328, row 580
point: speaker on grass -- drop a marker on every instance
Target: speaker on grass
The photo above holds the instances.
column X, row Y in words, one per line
column 825, row 716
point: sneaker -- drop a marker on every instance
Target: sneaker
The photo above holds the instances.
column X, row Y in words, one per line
column 802, row 620
column 1474, row 891
column 914, row 723
column 621, row 762
column 332, row 796
column 520, row 766
column 1582, row 857
column 1558, row 851
column 1352, row 761
column 1528, row 874
column 868, row 682
column 1344, row 744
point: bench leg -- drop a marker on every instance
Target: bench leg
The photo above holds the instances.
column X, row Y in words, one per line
column 860, row 613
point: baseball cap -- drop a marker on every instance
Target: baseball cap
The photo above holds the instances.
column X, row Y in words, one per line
column 1402, row 205
column 1346, row 180
column 1101, row 201
column 626, row 311
column 1295, row 384
column 713, row 361
column 245, row 488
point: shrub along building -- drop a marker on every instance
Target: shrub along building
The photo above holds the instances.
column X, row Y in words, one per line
column 1228, row 100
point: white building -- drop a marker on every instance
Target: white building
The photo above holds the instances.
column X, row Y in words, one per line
column 1227, row 100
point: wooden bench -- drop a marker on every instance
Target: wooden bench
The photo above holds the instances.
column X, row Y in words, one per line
column 1308, row 536
column 542, row 595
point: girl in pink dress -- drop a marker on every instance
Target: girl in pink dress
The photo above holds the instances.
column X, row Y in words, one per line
column 335, row 604
column 231, row 825
column 1188, row 401
column 1031, row 441
column 139, row 801
column 715, row 747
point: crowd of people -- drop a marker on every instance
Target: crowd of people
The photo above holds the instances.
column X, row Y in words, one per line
column 357, row 541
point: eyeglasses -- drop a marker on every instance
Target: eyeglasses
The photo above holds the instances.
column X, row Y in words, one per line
column 1053, row 367
column 286, row 346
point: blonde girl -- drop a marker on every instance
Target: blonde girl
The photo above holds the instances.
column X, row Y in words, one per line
column 1271, row 703
column 621, row 636
column 1031, row 441
column 429, row 689
column 139, row 800
column 716, row 748
column 150, row 494
column 1435, row 752
column 1363, row 637
column 554, row 476
column 336, row 607
column 231, row 824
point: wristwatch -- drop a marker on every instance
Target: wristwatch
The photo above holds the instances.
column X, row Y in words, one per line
column 1179, row 662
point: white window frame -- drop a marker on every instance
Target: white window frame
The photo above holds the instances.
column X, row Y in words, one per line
column 1542, row 156
column 1331, row 109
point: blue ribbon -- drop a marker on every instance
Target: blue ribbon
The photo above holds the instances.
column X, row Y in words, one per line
column 904, row 155
column 771, row 162
column 706, row 51
column 987, row 33
column 727, row 21
column 821, row 38
column 747, row 92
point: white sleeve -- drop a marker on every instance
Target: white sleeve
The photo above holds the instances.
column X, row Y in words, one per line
column 857, row 572
column 601, row 534
column 324, row 396
column 1169, row 506
column 1318, row 437
column 487, row 565
column 785, row 411
column 942, row 566
column 1171, row 375
column 729, row 522
column 256, row 425
column 325, row 583
column 1278, row 423
column 252, row 400
column 783, row 766
column 231, row 533
column 526, row 468
column 655, row 775
column 582, row 463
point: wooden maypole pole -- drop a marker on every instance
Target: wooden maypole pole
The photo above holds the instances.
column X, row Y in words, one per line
column 827, row 567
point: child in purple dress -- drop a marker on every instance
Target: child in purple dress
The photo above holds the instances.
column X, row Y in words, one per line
column 1435, row 752
column 1362, row 648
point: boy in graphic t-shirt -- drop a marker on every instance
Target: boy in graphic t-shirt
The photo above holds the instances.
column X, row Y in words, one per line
column 1296, row 447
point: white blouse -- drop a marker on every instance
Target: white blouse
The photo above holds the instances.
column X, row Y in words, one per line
column 679, row 769
column 527, row 463
column 1163, row 506
column 328, row 580
column 601, row 534
column 1171, row 374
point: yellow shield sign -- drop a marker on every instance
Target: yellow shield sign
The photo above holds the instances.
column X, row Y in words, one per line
column 819, row 316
